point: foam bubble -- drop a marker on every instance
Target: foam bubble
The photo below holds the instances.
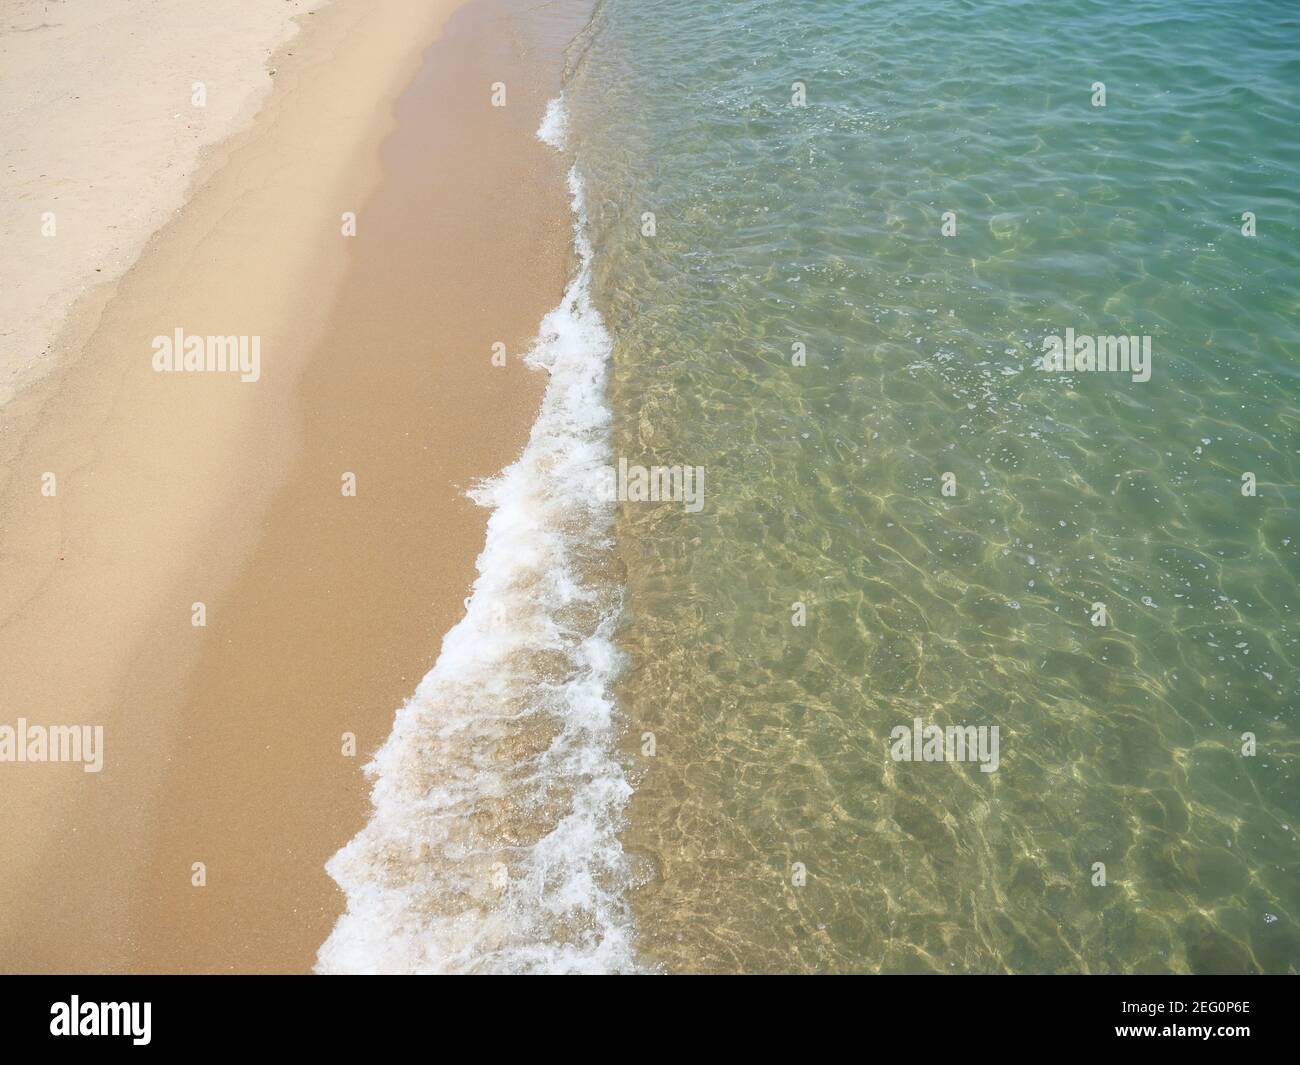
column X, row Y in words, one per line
column 554, row 129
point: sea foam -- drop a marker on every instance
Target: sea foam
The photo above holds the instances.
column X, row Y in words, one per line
column 554, row 129
column 497, row 798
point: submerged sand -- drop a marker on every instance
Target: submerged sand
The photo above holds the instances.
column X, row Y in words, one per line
column 225, row 743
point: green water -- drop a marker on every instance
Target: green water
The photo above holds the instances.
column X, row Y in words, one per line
column 822, row 225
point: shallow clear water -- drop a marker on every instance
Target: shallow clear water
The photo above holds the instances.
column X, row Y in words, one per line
column 822, row 225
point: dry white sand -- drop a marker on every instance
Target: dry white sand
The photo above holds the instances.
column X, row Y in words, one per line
column 106, row 107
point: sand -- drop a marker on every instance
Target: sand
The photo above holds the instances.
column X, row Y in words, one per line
column 107, row 107
column 224, row 743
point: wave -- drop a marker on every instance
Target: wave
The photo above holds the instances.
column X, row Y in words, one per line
column 497, row 798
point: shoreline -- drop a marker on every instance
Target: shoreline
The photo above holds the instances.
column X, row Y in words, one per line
column 223, row 742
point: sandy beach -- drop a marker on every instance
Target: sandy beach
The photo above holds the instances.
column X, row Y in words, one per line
column 609, row 487
column 229, row 776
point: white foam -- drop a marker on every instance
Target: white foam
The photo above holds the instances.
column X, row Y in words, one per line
column 504, row 758
column 554, row 129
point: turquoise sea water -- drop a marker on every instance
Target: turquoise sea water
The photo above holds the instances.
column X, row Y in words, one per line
column 823, row 226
